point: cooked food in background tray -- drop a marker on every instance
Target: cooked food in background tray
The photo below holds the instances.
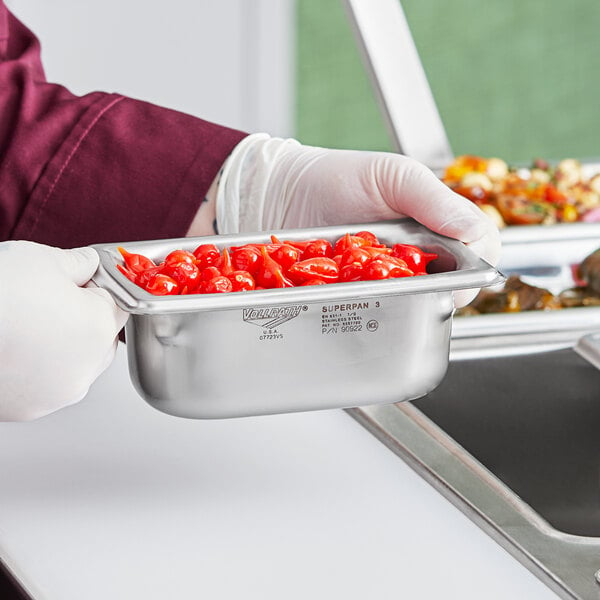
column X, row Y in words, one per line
column 542, row 194
column 589, row 271
column 517, row 296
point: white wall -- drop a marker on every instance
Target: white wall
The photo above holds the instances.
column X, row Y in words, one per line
column 228, row 61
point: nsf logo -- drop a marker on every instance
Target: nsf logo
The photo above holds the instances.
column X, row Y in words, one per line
column 372, row 325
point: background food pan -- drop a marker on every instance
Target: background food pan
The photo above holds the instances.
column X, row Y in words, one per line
column 544, row 257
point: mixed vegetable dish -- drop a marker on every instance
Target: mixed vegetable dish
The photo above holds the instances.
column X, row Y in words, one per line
column 278, row 264
column 542, row 194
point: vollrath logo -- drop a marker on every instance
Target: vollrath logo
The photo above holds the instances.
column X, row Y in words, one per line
column 270, row 317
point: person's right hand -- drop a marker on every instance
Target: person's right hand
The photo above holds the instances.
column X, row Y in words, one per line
column 271, row 183
column 56, row 336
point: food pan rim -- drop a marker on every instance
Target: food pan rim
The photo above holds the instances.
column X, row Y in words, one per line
column 471, row 272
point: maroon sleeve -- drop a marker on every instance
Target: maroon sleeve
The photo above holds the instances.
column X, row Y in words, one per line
column 97, row 168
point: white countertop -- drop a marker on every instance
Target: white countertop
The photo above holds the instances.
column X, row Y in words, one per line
column 111, row 499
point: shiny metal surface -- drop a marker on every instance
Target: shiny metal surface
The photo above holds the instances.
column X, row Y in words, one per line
column 315, row 347
column 391, row 59
column 220, row 364
column 589, row 348
column 511, row 434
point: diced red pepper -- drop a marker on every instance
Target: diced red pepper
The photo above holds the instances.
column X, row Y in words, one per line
column 270, row 273
column 209, row 273
column 317, row 248
column 301, row 245
column 386, row 267
column 278, row 264
column 179, row 256
column 415, row 258
column 224, row 264
column 322, row 268
column 206, row 255
column 370, row 237
column 352, row 272
column 355, row 255
column 376, row 251
column 216, row 285
column 144, row 278
column 246, row 258
column 285, row 255
column 314, row 282
column 160, row 284
column 349, row 241
column 186, row 274
column 135, row 262
column 241, row 281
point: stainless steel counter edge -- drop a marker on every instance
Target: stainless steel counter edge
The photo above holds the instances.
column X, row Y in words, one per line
column 527, row 322
column 588, row 347
column 484, row 498
column 526, row 234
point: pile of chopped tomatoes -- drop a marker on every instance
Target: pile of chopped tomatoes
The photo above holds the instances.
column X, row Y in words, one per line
column 279, row 264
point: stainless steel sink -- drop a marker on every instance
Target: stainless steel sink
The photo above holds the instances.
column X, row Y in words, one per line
column 536, row 427
column 514, row 442
column 512, row 435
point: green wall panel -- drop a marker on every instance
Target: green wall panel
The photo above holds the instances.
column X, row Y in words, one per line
column 336, row 106
column 512, row 78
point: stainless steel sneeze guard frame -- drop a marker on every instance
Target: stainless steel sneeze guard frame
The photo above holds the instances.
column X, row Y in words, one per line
column 295, row 349
column 399, row 81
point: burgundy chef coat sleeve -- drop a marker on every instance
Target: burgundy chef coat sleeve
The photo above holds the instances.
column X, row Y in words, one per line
column 97, row 168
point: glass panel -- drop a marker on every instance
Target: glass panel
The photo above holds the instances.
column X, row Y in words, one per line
column 513, row 79
column 335, row 103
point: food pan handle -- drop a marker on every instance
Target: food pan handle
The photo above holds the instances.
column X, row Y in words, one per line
column 103, row 279
column 589, row 348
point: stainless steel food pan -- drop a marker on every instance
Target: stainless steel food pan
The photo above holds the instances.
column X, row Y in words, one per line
column 306, row 348
column 542, row 256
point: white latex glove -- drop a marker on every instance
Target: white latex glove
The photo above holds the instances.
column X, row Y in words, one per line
column 56, row 337
column 272, row 183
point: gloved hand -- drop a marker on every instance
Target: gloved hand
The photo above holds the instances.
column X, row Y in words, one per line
column 271, row 183
column 56, row 337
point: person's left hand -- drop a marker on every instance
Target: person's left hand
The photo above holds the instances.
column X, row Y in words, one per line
column 56, row 334
column 270, row 183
